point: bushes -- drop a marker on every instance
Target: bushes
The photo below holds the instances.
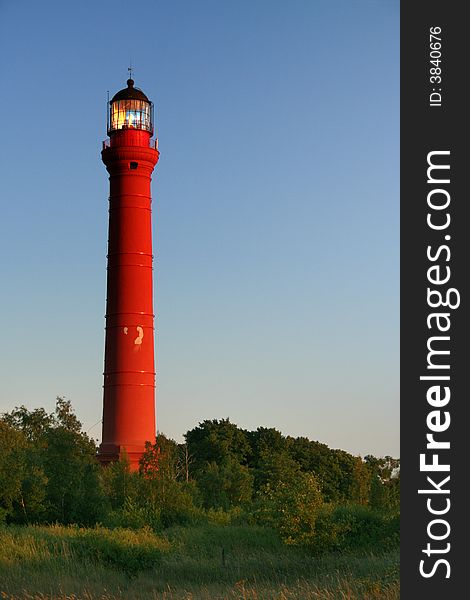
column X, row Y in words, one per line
column 345, row 528
column 123, row 549
column 134, row 517
column 291, row 508
column 178, row 507
column 150, row 498
column 225, row 485
column 296, row 512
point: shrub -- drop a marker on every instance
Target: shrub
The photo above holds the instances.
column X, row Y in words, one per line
column 176, row 506
column 225, row 484
column 291, row 508
column 134, row 516
column 123, row 549
column 233, row 516
column 344, row 528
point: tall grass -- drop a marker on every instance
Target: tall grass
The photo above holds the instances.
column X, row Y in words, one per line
column 200, row 562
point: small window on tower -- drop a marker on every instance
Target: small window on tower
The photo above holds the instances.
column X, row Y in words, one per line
column 133, row 165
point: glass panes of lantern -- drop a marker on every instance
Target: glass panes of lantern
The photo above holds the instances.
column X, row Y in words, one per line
column 130, row 114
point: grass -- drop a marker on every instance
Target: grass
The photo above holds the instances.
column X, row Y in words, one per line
column 204, row 562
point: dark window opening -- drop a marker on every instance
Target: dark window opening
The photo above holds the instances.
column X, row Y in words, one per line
column 133, row 165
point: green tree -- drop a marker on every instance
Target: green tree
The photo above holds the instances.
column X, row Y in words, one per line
column 70, row 465
column 21, row 467
column 119, row 483
column 291, row 507
column 332, row 468
column 225, row 485
column 274, row 468
column 12, row 466
column 161, row 460
column 32, row 424
column 268, row 440
column 219, row 452
column 378, row 493
column 361, row 482
column 393, row 491
column 60, row 475
column 217, row 441
column 385, row 482
column 163, row 482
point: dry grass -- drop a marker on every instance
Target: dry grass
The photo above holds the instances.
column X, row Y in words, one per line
column 60, row 563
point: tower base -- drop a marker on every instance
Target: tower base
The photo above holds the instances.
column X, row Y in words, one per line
column 108, row 453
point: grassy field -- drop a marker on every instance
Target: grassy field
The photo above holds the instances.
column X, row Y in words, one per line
column 204, row 562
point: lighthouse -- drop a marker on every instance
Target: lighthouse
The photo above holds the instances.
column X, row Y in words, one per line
column 130, row 155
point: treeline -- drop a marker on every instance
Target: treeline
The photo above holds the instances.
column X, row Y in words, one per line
column 302, row 488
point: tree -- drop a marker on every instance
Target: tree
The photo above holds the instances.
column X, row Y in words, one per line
column 161, row 471
column 161, row 460
column 275, row 467
column 291, row 507
column 393, row 491
column 71, row 468
column 59, row 478
column 385, row 482
column 332, row 468
column 119, row 483
column 225, row 485
column 378, row 493
column 361, row 482
column 186, row 459
column 32, row 424
column 268, row 440
column 219, row 451
column 217, row 441
column 12, row 467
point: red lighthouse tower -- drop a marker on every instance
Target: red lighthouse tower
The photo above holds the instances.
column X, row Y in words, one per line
column 129, row 365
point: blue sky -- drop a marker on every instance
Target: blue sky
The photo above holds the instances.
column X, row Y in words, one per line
column 275, row 209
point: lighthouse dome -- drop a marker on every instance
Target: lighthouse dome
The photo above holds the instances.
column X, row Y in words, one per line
column 130, row 93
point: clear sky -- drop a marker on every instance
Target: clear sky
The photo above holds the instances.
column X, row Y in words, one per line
column 275, row 209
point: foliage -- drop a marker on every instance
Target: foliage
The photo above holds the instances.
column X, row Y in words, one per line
column 333, row 468
column 311, row 495
column 291, row 506
column 233, row 516
column 274, row 468
column 219, row 452
column 346, row 528
column 215, row 441
column 161, row 486
column 269, row 455
column 385, row 482
column 360, row 482
column 123, row 549
column 225, row 485
column 12, row 467
column 119, row 484
column 23, row 479
column 56, row 476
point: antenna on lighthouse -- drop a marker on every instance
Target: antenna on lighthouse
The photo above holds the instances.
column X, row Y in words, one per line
column 130, row 68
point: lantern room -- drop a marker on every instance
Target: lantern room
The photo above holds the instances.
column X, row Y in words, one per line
column 130, row 109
